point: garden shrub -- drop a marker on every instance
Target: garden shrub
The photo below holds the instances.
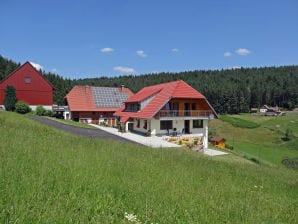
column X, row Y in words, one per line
column 49, row 113
column 22, row 107
column 40, row 111
column 229, row 147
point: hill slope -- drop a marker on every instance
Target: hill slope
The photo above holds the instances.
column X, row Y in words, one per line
column 264, row 141
column 48, row 176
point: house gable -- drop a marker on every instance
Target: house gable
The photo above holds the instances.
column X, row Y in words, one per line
column 31, row 86
column 160, row 95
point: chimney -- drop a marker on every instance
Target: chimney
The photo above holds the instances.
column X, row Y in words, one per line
column 122, row 87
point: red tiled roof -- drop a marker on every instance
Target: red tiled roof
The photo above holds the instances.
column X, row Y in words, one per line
column 160, row 94
column 80, row 98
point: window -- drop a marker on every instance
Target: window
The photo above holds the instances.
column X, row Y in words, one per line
column 138, row 123
column 175, row 106
column 197, row 124
column 132, row 107
column 145, row 124
column 168, row 106
column 166, row 125
column 27, row 80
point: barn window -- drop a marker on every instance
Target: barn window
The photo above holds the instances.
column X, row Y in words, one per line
column 27, row 80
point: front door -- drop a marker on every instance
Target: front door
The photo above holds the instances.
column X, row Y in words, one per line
column 130, row 126
column 186, row 127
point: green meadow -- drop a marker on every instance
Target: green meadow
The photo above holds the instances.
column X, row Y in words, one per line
column 48, row 176
column 260, row 137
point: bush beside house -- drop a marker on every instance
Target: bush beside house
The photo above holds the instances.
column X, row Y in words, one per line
column 22, row 107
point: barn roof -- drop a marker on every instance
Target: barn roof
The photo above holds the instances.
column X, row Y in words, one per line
column 91, row 98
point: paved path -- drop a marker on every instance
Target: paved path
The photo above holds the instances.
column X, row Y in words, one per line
column 153, row 141
column 113, row 134
column 86, row 132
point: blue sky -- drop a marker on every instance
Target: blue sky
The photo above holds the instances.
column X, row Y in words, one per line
column 93, row 38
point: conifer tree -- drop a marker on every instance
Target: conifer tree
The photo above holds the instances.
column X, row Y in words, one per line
column 10, row 98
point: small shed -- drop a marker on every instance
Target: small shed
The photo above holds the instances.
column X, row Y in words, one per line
column 253, row 110
column 218, row 141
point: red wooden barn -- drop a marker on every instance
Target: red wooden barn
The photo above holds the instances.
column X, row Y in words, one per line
column 31, row 87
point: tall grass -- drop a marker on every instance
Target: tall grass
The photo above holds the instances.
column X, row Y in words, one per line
column 48, row 176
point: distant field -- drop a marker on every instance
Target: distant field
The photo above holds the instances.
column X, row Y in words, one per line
column 264, row 141
column 48, row 176
column 239, row 122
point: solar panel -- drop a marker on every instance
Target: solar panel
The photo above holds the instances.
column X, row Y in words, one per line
column 108, row 96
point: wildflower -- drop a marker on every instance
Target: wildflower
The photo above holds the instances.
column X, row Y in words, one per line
column 256, row 186
column 131, row 218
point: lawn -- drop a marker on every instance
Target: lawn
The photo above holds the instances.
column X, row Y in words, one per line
column 48, row 176
column 264, row 142
column 73, row 123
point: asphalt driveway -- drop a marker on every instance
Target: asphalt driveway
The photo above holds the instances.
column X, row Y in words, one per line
column 86, row 132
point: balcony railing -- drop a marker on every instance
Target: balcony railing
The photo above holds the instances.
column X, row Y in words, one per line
column 60, row 108
column 184, row 113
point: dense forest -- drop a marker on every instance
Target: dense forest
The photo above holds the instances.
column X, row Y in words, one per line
column 229, row 91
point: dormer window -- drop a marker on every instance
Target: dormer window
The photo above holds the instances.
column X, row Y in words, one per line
column 27, row 80
column 132, row 107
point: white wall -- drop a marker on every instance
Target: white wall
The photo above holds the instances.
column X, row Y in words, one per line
column 33, row 107
column 205, row 134
column 47, row 107
column 140, row 129
column 67, row 115
column 154, row 125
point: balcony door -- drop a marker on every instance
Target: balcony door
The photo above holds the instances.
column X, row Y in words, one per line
column 186, row 109
column 175, row 109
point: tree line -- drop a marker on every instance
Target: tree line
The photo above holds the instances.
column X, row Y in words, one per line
column 228, row 91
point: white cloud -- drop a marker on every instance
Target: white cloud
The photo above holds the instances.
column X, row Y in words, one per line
column 175, row 50
column 55, row 70
column 242, row 51
column 106, row 50
column 124, row 69
column 235, row 67
column 227, row 54
column 36, row 66
column 141, row 53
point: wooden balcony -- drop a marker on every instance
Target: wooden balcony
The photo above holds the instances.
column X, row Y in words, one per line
column 184, row 114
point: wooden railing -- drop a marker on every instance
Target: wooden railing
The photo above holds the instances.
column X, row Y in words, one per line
column 185, row 113
column 60, row 108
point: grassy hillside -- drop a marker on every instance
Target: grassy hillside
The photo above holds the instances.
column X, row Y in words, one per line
column 260, row 137
column 47, row 176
